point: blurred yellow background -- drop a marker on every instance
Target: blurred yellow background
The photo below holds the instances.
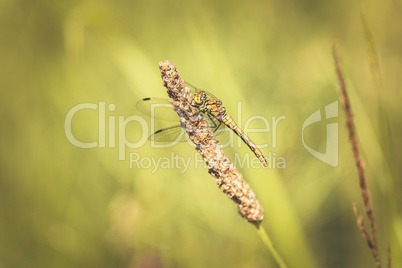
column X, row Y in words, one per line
column 65, row 206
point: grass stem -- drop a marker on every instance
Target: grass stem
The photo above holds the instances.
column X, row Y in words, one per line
column 268, row 243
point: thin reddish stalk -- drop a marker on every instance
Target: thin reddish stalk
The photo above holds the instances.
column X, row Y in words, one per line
column 372, row 242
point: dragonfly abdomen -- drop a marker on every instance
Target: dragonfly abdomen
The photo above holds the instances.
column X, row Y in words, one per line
column 230, row 123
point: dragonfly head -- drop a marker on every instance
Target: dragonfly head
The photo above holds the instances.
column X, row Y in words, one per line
column 200, row 98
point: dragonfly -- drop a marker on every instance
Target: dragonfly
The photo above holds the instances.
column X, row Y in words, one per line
column 209, row 106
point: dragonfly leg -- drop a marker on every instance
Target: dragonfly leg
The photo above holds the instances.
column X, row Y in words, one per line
column 213, row 120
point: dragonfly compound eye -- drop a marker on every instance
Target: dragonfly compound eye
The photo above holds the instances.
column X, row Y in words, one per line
column 199, row 98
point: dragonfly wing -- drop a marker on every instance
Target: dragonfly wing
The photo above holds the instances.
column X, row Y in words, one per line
column 170, row 134
column 195, row 90
column 157, row 108
column 210, row 95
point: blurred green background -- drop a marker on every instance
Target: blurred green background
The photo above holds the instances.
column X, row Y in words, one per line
column 64, row 206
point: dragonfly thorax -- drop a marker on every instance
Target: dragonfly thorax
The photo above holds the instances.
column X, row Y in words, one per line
column 206, row 104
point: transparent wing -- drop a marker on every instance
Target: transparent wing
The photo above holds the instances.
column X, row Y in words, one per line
column 170, row 134
column 158, row 108
column 177, row 133
column 195, row 89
